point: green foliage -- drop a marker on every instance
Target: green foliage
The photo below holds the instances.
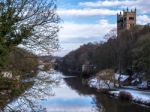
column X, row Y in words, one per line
column 32, row 23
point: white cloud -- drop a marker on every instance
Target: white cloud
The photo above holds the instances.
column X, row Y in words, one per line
column 106, row 3
column 143, row 19
column 72, row 35
column 72, row 31
column 76, row 30
column 141, row 5
column 86, row 12
column 66, row 48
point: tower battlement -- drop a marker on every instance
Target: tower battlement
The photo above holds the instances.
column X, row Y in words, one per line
column 126, row 20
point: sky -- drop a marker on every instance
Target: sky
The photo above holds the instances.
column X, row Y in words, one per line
column 86, row 21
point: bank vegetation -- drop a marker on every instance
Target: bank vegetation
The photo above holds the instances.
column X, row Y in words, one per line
column 126, row 53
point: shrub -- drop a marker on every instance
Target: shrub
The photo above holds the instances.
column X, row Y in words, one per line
column 107, row 76
column 125, row 96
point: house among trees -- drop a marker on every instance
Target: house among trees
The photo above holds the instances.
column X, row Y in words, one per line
column 88, row 69
column 126, row 20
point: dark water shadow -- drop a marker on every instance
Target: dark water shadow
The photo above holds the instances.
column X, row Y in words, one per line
column 104, row 102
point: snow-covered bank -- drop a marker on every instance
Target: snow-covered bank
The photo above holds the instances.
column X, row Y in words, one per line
column 99, row 84
column 138, row 96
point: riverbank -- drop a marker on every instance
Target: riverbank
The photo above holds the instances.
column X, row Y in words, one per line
column 21, row 65
column 130, row 93
column 55, row 91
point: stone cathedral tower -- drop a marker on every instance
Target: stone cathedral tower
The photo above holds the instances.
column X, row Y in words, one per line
column 126, row 20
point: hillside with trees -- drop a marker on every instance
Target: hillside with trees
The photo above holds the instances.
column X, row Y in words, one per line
column 128, row 53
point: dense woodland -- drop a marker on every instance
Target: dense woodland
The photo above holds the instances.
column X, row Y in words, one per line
column 127, row 53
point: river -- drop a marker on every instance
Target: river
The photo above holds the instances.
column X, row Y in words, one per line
column 54, row 91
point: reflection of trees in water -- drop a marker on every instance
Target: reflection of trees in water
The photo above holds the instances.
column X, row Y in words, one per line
column 103, row 102
column 114, row 105
column 82, row 88
column 100, row 107
column 30, row 99
column 76, row 83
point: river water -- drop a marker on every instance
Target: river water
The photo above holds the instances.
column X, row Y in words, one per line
column 57, row 92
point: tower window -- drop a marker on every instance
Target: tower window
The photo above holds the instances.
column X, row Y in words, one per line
column 131, row 18
column 120, row 21
column 131, row 25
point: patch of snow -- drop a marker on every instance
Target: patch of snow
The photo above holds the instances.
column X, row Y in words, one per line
column 115, row 93
column 40, row 67
column 99, row 84
column 93, row 83
column 122, row 77
column 143, row 85
column 135, row 80
column 138, row 96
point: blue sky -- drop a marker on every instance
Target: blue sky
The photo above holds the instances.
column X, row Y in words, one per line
column 89, row 20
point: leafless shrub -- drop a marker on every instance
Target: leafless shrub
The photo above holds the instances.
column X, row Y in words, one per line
column 125, row 96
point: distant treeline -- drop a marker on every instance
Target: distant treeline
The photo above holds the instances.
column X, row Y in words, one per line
column 127, row 53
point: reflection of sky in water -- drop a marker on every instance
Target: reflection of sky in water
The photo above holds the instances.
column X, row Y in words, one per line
column 68, row 100
column 65, row 99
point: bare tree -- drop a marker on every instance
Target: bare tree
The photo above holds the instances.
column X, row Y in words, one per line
column 33, row 23
column 111, row 34
column 106, row 77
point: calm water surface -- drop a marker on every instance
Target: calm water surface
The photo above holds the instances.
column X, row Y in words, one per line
column 56, row 92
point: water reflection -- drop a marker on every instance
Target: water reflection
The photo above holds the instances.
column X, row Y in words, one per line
column 29, row 100
column 54, row 92
column 112, row 105
column 51, row 93
column 68, row 100
column 103, row 102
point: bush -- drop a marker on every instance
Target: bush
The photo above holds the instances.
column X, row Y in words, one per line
column 125, row 96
